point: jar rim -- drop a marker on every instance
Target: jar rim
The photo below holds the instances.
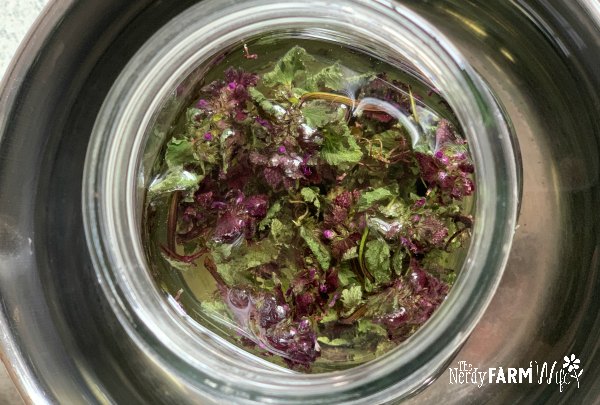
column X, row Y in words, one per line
column 112, row 171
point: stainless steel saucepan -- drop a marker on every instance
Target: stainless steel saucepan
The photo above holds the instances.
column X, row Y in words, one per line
column 66, row 338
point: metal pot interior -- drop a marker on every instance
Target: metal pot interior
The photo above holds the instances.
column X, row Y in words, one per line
column 64, row 343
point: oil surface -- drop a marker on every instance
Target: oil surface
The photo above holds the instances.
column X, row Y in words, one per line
column 322, row 205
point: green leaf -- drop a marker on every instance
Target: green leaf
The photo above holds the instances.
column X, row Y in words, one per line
column 339, row 146
column 234, row 268
column 367, row 326
column 271, row 213
column 226, row 148
column 190, row 248
column 176, row 178
column 369, row 287
column 384, row 346
column 176, row 264
column 377, row 259
column 350, row 254
column 311, row 195
column 191, row 113
column 396, row 210
column 319, row 113
column 334, row 78
column 389, row 139
column 397, row 261
column 388, row 300
column 216, row 309
column 179, row 152
column 439, row 258
column 316, row 247
column 276, row 228
column 282, row 234
column 330, row 316
column 297, row 94
column 449, row 278
column 265, row 104
column 352, row 297
column 213, row 306
column 350, row 152
column 346, row 275
column 356, row 81
column 222, row 250
column 369, row 198
column 335, row 342
column 289, row 68
column 331, row 77
column 265, row 284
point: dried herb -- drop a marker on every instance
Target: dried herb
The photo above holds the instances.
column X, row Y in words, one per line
column 328, row 222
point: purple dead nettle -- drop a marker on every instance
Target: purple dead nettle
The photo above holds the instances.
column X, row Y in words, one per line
column 323, row 230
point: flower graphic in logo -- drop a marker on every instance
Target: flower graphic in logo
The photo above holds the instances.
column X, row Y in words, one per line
column 571, row 363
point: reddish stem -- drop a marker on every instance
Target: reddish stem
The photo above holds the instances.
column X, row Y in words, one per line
column 209, row 264
column 172, row 221
column 249, row 55
column 354, row 316
column 454, row 236
column 191, row 235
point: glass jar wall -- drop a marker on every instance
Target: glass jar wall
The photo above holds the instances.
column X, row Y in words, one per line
column 118, row 170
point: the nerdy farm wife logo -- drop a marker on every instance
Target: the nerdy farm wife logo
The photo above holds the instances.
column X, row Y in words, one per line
column 536, row 373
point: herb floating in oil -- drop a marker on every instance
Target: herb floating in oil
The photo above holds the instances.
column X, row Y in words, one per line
column 329, row 220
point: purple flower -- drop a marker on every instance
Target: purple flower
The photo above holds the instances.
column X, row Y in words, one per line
column 281, row 149
column 347, row 198
column 238, row 297
column 408, row 244
column 263, row 122
column 202, row 104
column 306, row 170
column 332, row 281
column 305, row 304
column 241, row 78
column 241, row 116
column 230, row 95
column 420, row 202
column 269, row 312
column 297, row 340
column 208, row 136
column 449, row 173
column 229, row 227
column 461, row 156
column 258, row 159
column 444, row 134
column 338, row 248
column 219, row 205
column 190, row 214
column 328, row 234
column 432, row 230
column 418, row 278
column 333, row 300
column 395, row 319
column 257, row 206
column 337, row 215
column 273, row 177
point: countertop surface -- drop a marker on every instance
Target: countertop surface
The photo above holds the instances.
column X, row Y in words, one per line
column 15, row 20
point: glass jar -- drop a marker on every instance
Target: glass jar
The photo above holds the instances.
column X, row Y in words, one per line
column 125, row 144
